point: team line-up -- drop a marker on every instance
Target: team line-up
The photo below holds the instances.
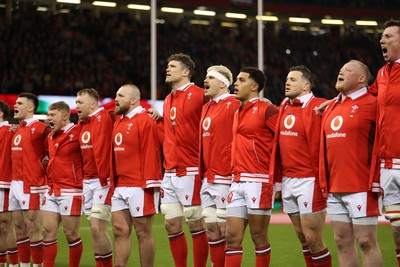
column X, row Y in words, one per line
column 224, row 156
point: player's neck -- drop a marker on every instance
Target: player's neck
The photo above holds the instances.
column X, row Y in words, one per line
column 179, row 84
column 94, row 110
column 26, row 118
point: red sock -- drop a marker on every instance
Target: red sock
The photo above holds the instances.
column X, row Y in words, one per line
column 24, row 251
column 233, row 256
column 307, row 256
column 12, row 255
column 200, row 248
column 75, row 252
column 3, row 257
column 179, row 249
column 322, row 258
column 51, row 248
column 217, row 252
column 263, row 256
column 37, row 252
column 398, row 256
column 97, row 259
column 106, row 259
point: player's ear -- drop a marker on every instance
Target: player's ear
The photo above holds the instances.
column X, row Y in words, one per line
column 65, row 116
column 255, row 87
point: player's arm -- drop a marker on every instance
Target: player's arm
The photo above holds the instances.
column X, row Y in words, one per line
column 322, row 107
column 102, row 147
column 373, row 89
column 271, row 117
column 150, row 154
column 45, row 137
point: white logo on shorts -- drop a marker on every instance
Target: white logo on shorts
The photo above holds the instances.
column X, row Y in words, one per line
column 206, row 123
column 85, row 137
column 336, row 123
column 289, row 121
column 118, row 139
column 17, row 140
column 172, row 113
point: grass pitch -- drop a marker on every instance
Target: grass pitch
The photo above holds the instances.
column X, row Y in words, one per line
column 286, row 249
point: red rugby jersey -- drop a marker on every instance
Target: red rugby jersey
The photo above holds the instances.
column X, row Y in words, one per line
column 95, row 141
column 297, row 140
column 387, row 86
column 253, row 134
column 29, row 147
column 216, row 138
column 64, row 169
column 5, row 155
column 182, row 112
column 136, row 159
column 348, row 131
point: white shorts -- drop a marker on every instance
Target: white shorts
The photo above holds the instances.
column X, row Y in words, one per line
column 253, row 195
column 301, row 195
column 140, row 202
column 355, row 205
column 181, row 189
column 390, row 182
column 95, row 194
column 4, row 199
column 64, row 205
column 214, row 194
column 21, row 201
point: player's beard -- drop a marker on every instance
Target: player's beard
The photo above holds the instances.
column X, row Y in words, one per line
column 121, row 110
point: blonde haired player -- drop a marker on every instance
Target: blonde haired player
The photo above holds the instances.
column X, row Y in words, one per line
column 215, row 156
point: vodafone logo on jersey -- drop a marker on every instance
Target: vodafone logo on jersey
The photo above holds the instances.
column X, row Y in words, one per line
column 206, row 123
column 17, row 140
column 118, row 139
column 172, row 113
column 289, row 122
column 85, row 137
column 336, row 123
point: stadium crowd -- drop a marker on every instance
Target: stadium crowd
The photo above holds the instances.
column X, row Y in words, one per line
column 67, row 52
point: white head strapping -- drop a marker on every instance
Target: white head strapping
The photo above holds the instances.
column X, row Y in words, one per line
column 219, row 76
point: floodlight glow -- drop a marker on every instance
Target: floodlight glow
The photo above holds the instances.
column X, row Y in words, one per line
column 138, row 7
column 229, row 24
column 235, row 15
column 267, row 18
column 41, row 8
column 172, row 10
column 332, row 21
column 199, row 22
column 299, row 20
column 366, row 23
column 105, row 4
column 76, row 2
column 204, row 12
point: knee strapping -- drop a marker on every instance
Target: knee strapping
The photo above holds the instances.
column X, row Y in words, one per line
column 171, row 210
column 102, row 212
column 210, row 214
column 393, row 214
column 221, row 215
column 192, row 213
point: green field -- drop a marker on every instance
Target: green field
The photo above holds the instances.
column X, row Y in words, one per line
column 286, row 250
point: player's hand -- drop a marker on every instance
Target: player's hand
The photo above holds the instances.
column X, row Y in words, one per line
column 154, row 114
column 320, row 109
column 45, row 160
column 14, row 127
